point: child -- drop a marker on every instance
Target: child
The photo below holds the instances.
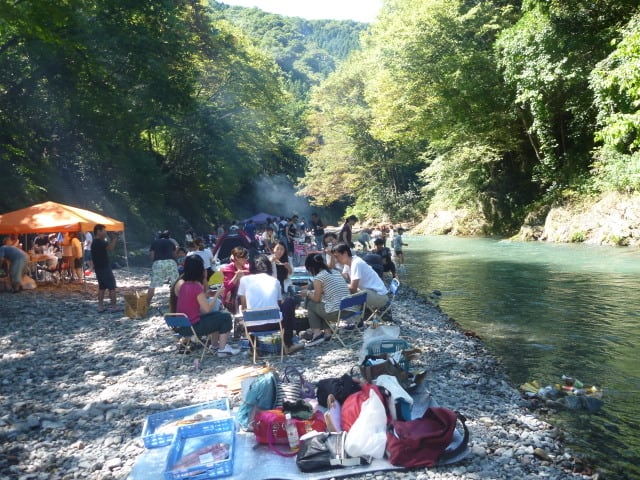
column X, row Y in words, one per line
column 397, row 245
column 180, row 256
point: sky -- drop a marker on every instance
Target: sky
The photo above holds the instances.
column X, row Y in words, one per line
column 359, row 10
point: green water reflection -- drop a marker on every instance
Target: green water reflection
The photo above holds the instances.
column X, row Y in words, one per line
column 547, row 310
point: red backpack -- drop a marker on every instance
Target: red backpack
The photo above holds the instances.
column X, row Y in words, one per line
column 422, row 442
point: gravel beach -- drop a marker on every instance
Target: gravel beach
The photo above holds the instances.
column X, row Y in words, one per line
column 76, row 387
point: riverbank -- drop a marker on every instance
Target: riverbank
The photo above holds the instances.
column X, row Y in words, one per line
column 609, row 219
column 77, row 386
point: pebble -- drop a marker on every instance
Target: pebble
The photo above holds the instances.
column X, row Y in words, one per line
column 82, row 384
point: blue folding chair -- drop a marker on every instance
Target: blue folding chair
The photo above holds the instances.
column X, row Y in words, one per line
column 261, row 322
column 178, row 321
column 351, row 311
column 378, row 313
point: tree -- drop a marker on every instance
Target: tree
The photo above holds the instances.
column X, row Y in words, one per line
column 547, row 57
column 616, row 83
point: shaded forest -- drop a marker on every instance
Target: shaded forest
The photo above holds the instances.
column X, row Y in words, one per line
column 167, row 113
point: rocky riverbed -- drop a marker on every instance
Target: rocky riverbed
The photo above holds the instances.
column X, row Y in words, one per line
column 76, row 387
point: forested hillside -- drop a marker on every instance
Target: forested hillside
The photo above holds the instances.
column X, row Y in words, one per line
column 489, row 108
column 162, row 113
column 306, row 50
column 167, row 113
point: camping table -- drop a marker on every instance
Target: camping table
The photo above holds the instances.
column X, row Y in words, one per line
column 43, row 259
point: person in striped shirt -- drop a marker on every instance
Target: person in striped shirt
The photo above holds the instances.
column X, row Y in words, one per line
column 323, row 301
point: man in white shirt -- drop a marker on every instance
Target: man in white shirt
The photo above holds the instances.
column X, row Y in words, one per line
column 362, row 277
column 260, row 289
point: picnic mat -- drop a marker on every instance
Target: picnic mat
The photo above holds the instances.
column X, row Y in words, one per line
column 253, row 461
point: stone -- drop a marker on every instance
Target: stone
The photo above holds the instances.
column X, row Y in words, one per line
column 85, row 421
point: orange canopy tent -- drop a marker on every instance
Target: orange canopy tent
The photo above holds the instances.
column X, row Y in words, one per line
column 55, row 217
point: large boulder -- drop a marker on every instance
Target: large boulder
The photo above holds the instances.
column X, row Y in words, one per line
column 611, row 219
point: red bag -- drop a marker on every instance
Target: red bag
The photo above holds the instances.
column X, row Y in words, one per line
column 423, row 441
column 269, row 428
column 353, row 403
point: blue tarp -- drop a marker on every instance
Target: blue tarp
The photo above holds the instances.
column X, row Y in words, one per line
column 260, row 218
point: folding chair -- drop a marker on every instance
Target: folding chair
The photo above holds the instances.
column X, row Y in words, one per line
column 256, row 324
column 176, row 321
column 378, row 313
column 351, row 310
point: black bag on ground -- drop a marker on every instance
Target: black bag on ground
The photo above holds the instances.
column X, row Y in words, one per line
column 340, row 388
column 325, row 451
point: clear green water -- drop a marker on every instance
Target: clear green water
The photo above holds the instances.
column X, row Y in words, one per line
column 547, row 310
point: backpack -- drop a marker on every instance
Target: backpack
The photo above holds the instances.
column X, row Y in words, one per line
column 424, row 442
column 340, row 388
column 262, row 395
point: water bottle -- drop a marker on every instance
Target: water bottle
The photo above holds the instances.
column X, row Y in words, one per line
column 292, row 433
column 572, row 382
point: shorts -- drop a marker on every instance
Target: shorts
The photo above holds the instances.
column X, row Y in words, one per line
column 161, row 270
column 87, row 256
column 210, row 323
column 106, row 280
column 77, row 262
column 17, row 269
column 398, row 253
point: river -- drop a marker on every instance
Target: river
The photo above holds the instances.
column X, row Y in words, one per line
column 546, row 310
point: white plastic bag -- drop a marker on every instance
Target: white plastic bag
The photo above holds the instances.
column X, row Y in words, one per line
column 368, row 434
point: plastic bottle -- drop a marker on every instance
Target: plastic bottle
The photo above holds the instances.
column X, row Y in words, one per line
column 292, row 433
column 572, row 382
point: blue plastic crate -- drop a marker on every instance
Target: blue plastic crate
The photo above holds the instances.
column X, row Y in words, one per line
column 203, row 441
column 153, row 422
column 390, row 347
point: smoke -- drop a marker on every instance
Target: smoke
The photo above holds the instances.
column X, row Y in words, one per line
column 277, row 195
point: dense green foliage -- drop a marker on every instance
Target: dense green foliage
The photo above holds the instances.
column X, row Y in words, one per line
column 163, row 112
column 498, row 105
column 306, row 50
column 170, row 110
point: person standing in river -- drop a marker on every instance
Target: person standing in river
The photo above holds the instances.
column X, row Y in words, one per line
column 397, row 244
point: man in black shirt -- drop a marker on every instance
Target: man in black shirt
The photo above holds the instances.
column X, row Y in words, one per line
column 101, row 245
column 318, row 230
column 384, row 252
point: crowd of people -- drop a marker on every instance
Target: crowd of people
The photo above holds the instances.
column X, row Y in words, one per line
column 257, row 275
column 59, row 255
